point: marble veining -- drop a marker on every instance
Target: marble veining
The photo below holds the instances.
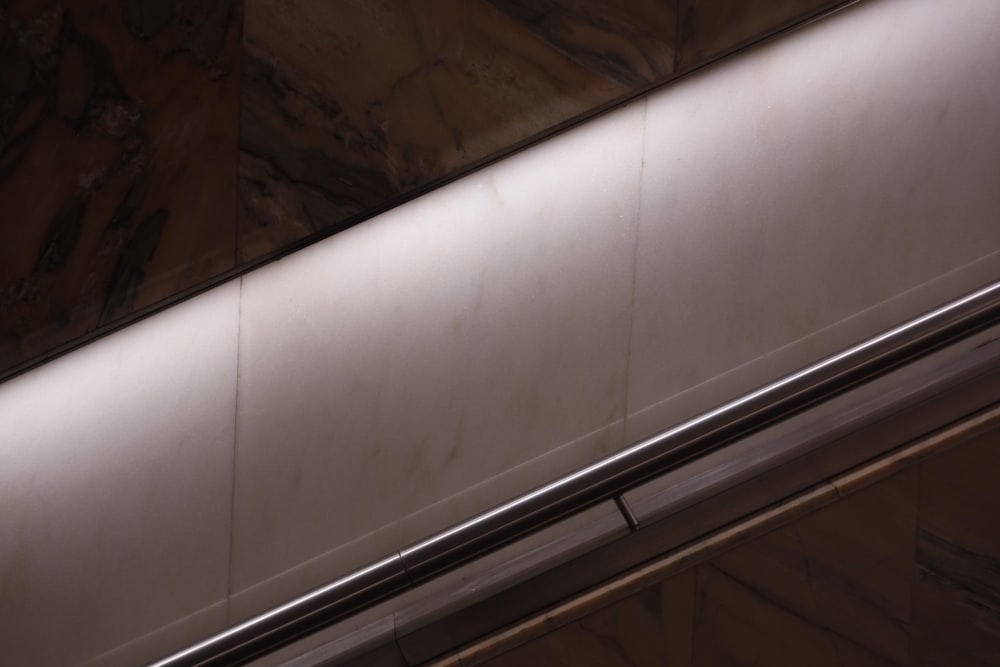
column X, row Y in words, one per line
column 833, row 588
column 956, row 605
column 437, row 358
column 628, row 633
column 114, row 527
column 348, row 107
column 151, row 148
column 814, row 189
column 117, row 160
column 709, row 28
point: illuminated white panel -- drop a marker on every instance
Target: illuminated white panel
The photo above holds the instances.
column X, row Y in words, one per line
column 115, row 483
column 429, row 350
column 797, row 185
column 416, row 369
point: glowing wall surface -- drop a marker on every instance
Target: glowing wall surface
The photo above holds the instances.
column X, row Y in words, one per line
column 326, row 409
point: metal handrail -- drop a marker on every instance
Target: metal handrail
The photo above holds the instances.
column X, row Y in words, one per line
column 601, row 481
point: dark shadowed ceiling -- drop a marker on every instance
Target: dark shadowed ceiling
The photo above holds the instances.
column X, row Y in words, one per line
column 151, row 148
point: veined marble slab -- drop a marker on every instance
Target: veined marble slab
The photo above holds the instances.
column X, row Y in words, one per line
column 350, row 106
column 150, row 149
column 810, row 193
column 710, row 28
column 118, row 153
column 436, row 361
column 115, row 492
column 501, row 331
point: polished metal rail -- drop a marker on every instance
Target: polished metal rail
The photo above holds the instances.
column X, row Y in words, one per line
column 598, row 482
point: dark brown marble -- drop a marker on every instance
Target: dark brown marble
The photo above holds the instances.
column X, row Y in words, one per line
column 679, row 595
column 628, row 633
column 709, row 28
column 832, row 588
column 118, row 155
column 351, row 105
column 956, row 596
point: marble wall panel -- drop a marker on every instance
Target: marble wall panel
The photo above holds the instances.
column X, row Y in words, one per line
column 956, row 597
column 710, row 28
column 629, row 632
column 119, row 124
column 832, row 588
column 435, row 361
column 118, row 153
column 795, row 187
column 115, row 491
column 349, row 106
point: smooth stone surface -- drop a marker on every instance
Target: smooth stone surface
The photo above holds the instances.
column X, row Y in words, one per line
column 147, row 149
column 400, row 364
column 678, row 593
column 424, row 521
column 709, row 28
column 118, row 157
column 349, row 106
column 115, row 482
column 832, row 588
column 797, row 185
column 956, row 594
column 629, row 632
column 124, row 125
column 165, row 640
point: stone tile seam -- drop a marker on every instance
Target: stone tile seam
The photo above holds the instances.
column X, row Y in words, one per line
column 236, row 439
column 635, row 268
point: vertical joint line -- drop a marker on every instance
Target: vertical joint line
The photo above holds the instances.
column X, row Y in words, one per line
column 630, row 519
